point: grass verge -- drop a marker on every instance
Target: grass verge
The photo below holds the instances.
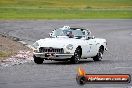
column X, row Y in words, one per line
column 58, row 13
column 4, row 54
column 65, row 9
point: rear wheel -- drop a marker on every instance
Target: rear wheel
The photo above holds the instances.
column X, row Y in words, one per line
column 38, row 60
column 77, row 56
column 99, row 55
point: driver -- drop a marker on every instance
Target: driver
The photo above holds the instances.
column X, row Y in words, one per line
column 69, row 34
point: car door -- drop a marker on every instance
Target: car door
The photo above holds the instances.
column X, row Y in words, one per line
column 92, row 51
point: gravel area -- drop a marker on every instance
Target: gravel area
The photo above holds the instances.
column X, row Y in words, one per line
column 12, row 52
column 20, row 58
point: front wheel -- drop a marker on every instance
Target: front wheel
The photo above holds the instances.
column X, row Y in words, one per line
column 99, row 55
column 38, row 60
column 77, row 56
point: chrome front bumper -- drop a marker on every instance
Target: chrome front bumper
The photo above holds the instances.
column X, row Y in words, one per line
column 53, row 55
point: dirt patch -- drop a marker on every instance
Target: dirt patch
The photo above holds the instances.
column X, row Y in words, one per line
column 13, row 53
column 9, row 47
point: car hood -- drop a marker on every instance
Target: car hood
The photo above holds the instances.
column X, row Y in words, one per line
column 57, row 42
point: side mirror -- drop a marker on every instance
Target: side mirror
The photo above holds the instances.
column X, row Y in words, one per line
column 50, row 34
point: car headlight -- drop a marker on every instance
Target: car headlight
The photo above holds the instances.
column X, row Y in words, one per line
column 69, row 47
column 35, row 45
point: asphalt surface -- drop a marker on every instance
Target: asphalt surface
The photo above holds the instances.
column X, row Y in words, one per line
column 51, row 74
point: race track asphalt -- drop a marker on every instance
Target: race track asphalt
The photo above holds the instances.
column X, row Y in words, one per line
column 52, row 74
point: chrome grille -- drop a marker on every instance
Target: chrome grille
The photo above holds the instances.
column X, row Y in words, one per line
column 50, row 50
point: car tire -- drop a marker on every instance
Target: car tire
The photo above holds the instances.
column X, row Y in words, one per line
column 77, row 56
column 99, row 55
column 38, row 60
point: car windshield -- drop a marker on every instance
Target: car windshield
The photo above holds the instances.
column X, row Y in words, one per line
column 76, row 33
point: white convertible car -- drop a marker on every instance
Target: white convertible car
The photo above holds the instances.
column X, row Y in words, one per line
column 70, row 44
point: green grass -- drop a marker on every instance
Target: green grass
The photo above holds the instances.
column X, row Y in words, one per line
column 3, row 54
column 65, row 9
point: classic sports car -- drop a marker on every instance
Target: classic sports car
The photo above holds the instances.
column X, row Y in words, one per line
column 70, row 44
